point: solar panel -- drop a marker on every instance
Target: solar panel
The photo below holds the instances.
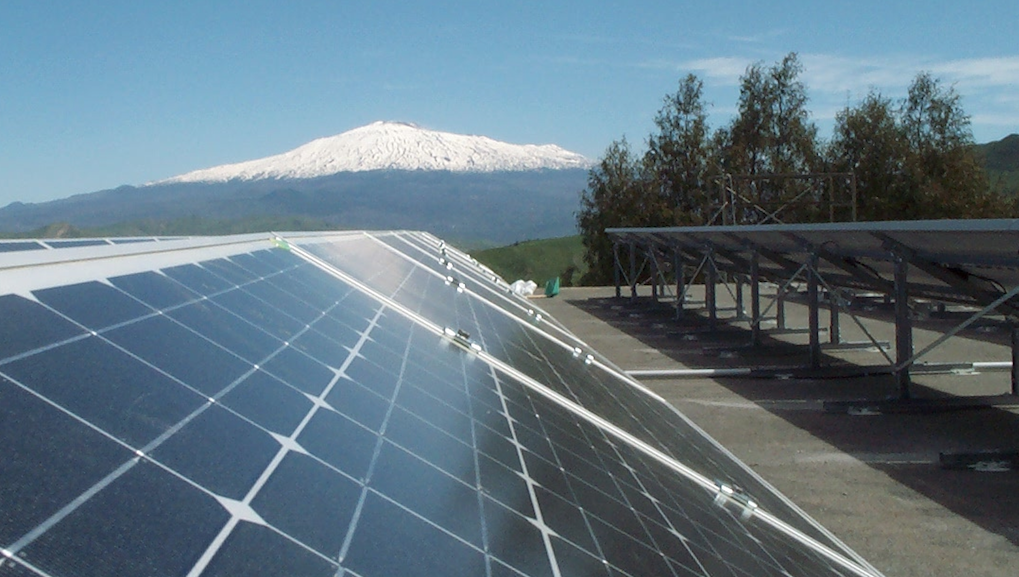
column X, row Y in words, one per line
column 964, row 261
column 350, row 403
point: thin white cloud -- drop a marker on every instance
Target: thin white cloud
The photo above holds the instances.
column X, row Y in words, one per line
column 989, row 86
column 980, row 72
column 722, row 70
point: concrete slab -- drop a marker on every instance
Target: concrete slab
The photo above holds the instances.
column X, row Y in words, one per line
column 874, row 480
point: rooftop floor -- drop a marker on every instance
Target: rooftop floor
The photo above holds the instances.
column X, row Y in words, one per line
column 874, row 480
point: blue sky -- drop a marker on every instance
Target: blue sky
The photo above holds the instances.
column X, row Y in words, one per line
column 94, row 95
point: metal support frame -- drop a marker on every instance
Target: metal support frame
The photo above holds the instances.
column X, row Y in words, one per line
column 680, row 267
column 710, row 282
column 633, row 271
column 856, row 268
column 617, row 269
column 813, row 304
column 1015, row 358
column 834, row 330
column 755, row 299
column 903, row 328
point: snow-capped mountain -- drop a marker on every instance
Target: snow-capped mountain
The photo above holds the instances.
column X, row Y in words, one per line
column 392, row 146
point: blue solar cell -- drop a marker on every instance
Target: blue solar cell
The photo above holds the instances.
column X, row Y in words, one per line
column 433, row 494
column 228, row 330
column 182, row 353
column 19, row 246
column 49, row 459
column 310, row 502
column 353, row 456
column 219, row 451
column 389, row 540
column 299, row 371
column 252, row 549
column 105, row 386
column 146, row 522
column 156, row 290
column 269, row 402
column 17, row 313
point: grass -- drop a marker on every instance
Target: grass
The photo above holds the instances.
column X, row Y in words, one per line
column 538, row 260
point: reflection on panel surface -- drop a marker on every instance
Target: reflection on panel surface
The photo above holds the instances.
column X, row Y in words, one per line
column 297, row 408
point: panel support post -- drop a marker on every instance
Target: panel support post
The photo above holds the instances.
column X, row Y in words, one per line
column 903, row 328
column 1015, row 357
column 741, row 313
column 813, row 299
column 780, row 308
column 617, row 269
column 755, row 299
column 711, row 279
column 654, row 274
column 680, row 267
column 633, row 272
column 834, row 330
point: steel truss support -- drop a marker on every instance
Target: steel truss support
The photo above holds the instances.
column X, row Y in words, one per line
column 813, row 304
column 710, row 282
column 617, row 268
column 903, row 329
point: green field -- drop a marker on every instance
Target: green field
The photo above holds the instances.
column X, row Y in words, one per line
column 538, row 260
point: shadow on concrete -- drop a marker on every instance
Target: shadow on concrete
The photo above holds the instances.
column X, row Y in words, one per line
column 904, row 445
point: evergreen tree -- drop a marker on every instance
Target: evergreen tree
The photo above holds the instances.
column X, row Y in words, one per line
column 679, row 156
column 868, row 142
column 618, row 194
column 772, row 134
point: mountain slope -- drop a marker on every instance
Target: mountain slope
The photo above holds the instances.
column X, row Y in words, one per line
column 382, row 176
column 1001, row 160
column 392, row 146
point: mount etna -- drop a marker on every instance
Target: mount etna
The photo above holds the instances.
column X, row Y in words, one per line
column 385, row 175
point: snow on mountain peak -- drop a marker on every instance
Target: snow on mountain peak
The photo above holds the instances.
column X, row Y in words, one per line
column 392, row 146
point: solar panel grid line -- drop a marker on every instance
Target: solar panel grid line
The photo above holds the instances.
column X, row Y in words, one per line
column 535, row 505
column 180, row 424
column 142, row 453
column 535, row 326
column 359, row 507
column 485, row 281
column 706, row 483
column 690, row 474
column 278, row 458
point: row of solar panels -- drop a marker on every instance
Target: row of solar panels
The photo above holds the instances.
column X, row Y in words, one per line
column 967, row 261
column 44, row 244
column 348, row 403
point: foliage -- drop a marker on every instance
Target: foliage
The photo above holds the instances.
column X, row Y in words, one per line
column 680, row 157
column 912, row 159
column 619, row 193
column 538, row 260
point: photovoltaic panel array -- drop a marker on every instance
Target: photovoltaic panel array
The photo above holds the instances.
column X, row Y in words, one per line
column 358, row 404
column 973, row 262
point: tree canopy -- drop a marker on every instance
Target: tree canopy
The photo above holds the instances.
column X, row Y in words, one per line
column 890, row 159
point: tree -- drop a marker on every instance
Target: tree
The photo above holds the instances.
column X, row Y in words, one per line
column 772, row 133
column 951, row 182
column 914, row 161
column 868, row 142
column 618, row 194
column 679, row 156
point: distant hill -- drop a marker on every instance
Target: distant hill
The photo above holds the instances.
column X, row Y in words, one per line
column 538, row 260
column 1001, row 161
